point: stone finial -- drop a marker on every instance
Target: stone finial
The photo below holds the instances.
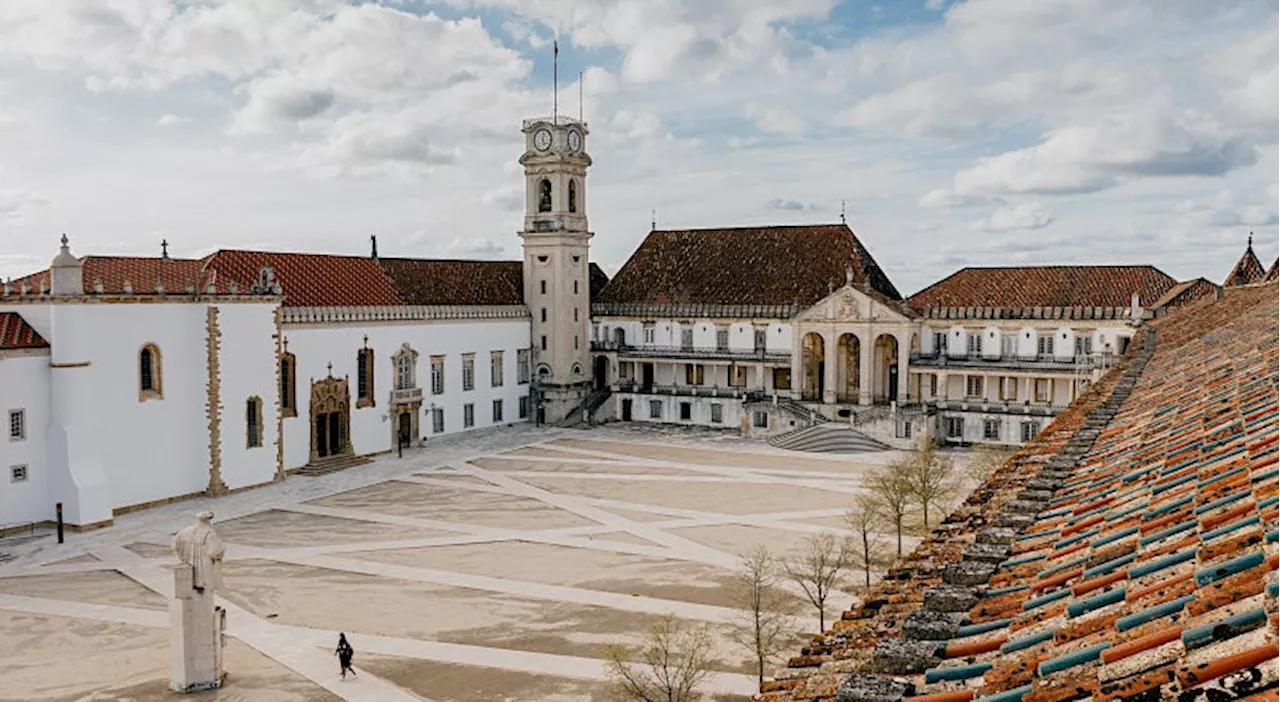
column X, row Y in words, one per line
column 8, row 287
column 233, row 288
column 97, row 286
column 159, row 286
column 848, row 275
column 24, row 288
column 127, row 287
column 189, row 288
column 211, row 289
column 44, row 287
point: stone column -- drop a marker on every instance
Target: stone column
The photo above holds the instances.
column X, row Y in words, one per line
column 866, row 379
column 797, row 365
column 904, row 374
column 829, row 371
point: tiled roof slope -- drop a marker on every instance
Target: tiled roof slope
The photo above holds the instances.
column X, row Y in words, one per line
column 311, row 280
column 454, row 282
column 1138, row 564
column 1015, row 287
column 142, row 273
column 1247, row 270
column 1185, row 293
column 1273, row 273
column 783, row 265
column 15, row 333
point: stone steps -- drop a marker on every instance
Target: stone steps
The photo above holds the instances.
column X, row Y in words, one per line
column 333, row 464
column 827, row 438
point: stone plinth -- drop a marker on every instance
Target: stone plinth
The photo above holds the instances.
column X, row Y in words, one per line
column 196, row 636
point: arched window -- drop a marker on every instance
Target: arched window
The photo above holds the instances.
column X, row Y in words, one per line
column 253, row 422
column 544, row 195
column 288, row 385
column 364, row 378
column 150, row 377
column 573, row 196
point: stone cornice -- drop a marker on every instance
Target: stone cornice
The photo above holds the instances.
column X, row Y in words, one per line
column 695, row 311
column 146, row 298
column 405, row 313
column 1033, row 313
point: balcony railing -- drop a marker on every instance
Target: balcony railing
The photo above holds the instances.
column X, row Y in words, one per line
column 649, row 351
column 1039, row 409
column 404, row 396
column 1044, row 361
column 708, row 391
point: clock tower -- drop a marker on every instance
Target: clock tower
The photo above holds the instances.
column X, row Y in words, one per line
column 556, row 267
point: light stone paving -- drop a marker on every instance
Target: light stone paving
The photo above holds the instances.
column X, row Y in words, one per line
column 622, row 525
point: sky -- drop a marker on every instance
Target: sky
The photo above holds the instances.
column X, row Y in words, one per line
column 981, row 132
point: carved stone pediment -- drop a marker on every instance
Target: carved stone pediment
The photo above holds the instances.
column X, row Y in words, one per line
column 849, row 304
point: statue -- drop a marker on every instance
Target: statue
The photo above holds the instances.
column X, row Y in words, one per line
column 197, row 624
column 199, row 547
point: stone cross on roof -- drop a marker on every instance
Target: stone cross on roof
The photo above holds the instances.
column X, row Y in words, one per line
column 330, row 369
column 164, row 249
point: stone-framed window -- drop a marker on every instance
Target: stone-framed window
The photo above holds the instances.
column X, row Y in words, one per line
column 722, row 339
column 760, row 419
column 364, row 378
column 437, row 375
column 468, row 415
column 468, row 371
column 406, row 365
column 288, row 385
column 437, row 420
column 991, row 429
column 973, row 386
column 497, row 411
column 655, row 409
column 17, row 425
column 737, row 376
column 1043, row 388
column 955, row 427
column 1084, row 345
column 150, row 373
column 1009, row 389
column 495, row 369
column 18, row 474
column 694, row 373
column 253, row 422
column 933, row 385
column 1044, row 344
column 904, row 429
column 974, row 341
column 781, row 378
column 686, row 411
column 523, row 409
column 573, row 195
column 1030, row 430
column 650, row 332
column 717, row 413
column 522, row 366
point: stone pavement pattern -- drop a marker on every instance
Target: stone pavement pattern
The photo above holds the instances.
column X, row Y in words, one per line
column 490, row 566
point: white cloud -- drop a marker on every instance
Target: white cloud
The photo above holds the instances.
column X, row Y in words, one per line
column 170, row 120
column 20, row 202
column 945, row 198
column 1029, row 215
column 775, row 120
column 1225, row 210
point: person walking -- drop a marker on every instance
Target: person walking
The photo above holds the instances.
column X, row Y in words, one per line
column 345, row 653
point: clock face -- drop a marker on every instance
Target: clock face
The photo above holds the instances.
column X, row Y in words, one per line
column 542, row 140
column 575, row 141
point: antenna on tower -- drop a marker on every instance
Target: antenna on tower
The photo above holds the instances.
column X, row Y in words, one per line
column 555, row 80
column 580, row 95
column 653, row 220
column 842, row 211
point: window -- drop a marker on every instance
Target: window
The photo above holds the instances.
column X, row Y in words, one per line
column 364, row 378
column 1009, row 345
column 955, row 427
column 523, row 407
column 649, row 333
column 575, row 343
column 974, row 340
column 544, row 314
column 933, row 385
column 437, row 420
column 17, row 474
column 973, row 386
column 437, row 375
column 544, row 342
column 253, row 422
column 904, row 429
column 717, row 413
column 468, row 371
column 686, row 411
column 1009, row 389
column 762, row 339
column 542, row 286
column 1044, row 344
column 1084, row 345
column 17, row 425
column 150, row 377
column 655, row 409
column 722, row 339
column 404, row 369
column 1030, row 430
column 573, row 196
column 737, row 376
column 288, row 385
column 781, row 378
column 522, row 366
column 575, row 288
column 991, row 429
column 495, row 368
column 760, row 420
column 468, row 416
column 939, row 342
column 693, row 374
column 497, row 411
column 686, row 338
column 575, row 314
column 1042, row 389
column 544, row 195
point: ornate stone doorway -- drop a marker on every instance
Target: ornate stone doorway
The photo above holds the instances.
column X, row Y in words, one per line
column 330, row 418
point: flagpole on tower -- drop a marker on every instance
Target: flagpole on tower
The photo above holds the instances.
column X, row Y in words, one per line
column 555, row 80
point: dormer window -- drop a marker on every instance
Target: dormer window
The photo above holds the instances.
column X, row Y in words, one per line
column 544, row 195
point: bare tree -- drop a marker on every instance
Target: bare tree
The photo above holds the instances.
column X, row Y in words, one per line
column 865, row 520
column 892, row 490
column 930, row 477
column 673, row 661
column 985, row 461
column 765, row 619
column 818, row 567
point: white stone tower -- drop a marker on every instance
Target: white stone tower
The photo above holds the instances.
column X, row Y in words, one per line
column 556, row 269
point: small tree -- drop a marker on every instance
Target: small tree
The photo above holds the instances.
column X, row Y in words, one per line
column 818, row 567
column 929, row 476
column 865, row 520
column 764, row 626
column 985, row 461
column 673, row 661
column 892, row 490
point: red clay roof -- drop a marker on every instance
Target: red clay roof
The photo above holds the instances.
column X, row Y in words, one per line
column 1273, row 272
column 175, row 274
column 780, row 265
column 1185, row 293
column 15, row 333
column 1045, row 286
column 451, row 282
column 1247, row 270
column 311, row 280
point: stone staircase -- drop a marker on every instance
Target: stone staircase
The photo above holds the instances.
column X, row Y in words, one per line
column 827, row 438
column 584, row 413
column 332, row 464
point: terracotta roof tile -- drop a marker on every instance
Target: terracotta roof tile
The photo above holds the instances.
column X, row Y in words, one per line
column 1247, row 270
column 1273, row 273
column 1045, row 286
column 141, row 272
column 460, row 282
column 311, row 280
column 1185, row 293
column 15, row 333
column 780, row 265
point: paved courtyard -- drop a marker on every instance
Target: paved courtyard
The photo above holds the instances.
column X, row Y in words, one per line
column 494, row 566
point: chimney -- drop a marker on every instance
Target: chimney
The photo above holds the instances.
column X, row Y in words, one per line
column 1134, row 310
column 66, row 272
column 373, row 246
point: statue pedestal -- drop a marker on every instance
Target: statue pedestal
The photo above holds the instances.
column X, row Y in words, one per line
column 196, row 636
